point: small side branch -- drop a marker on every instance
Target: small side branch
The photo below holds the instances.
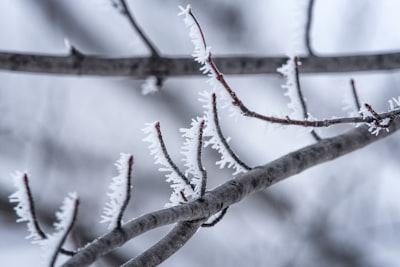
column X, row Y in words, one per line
column 355, row 95
column 168, row 157
column 65, row 233
column 32, row 210
column 308, row 27
column 127, row 193
column 199, row 161
column 146, row 40
column 222, row 137
column 216, row 219
column 301, row 96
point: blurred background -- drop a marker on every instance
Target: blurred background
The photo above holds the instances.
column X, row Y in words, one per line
column 68, row 131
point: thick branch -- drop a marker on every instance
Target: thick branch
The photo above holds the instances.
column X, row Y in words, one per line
column 233, row 191
column 166, row 247
column 141, row 67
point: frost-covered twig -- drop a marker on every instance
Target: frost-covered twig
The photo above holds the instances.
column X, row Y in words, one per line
column 203, row 56
column 216, row 138
column 25, row 208
column 297, row 103
column 66, row 218
column 120, row 192
column 182, row 188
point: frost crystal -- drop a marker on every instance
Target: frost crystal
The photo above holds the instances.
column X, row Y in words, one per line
column 118, row 192
column 394, row 103
column 214, row 140
column 173, row 175
column 65, row 218
column 289, row 72
column 202, row 54
column 201, row 51
column 23, row 208
column 373, row 128
column 150, row 87
column 189, row 150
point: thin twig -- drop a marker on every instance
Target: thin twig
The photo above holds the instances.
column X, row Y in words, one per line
column 301, row 96
column 287, row 121
column 355, row 95
column 168, row 157
column 216, row 219
column 32, row 210
column 199, row 161
column 67, row 231
column 222, row 137
column 127, row 194
column 308, row 27
column 149, row 44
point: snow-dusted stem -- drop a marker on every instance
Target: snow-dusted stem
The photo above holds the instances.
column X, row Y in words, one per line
column 66, row 233
column 168, row 158
column 128, row 192
column 301, row 96
column 32, row 210
column 222, row 137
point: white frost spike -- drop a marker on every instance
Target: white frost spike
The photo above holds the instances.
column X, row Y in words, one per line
column 177, row 184
column 118, row 192
column 201, row 52
column 150, row 87
column 210, row 131
column 189, row 150
column 64, row 219
column 394, row 103
column 23, row 209
column 289, row 72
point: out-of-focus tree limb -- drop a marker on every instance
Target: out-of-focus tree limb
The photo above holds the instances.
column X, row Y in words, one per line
column 232, row 191
column 141, row 67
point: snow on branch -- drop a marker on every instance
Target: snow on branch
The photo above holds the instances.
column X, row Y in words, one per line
column 288, row 70
column 120, row 193
column 192, row 150
column 25, row 208
column 215, row 137
column 66, row 218
column 182, row 188
column 210, row 68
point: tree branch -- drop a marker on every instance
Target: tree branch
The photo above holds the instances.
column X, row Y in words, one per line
column 142, row 67
column 233, row 191
column 166, row 247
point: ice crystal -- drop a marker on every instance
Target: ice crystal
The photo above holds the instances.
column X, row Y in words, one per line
column 23, row 208
column 118, row 192
column 178, row 184
column 288, row 70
